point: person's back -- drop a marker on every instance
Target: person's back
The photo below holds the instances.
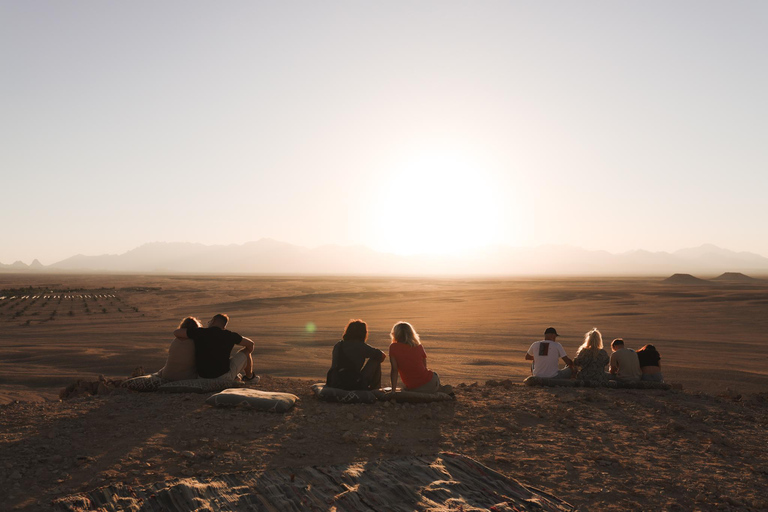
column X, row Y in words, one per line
column 347, row 361
column 180, row 364
column 650, row 364
column 411, row 364
column 546, row 355
column 349, row 369
column 409, row 361
column 624, row 364
column 591, row 359
column 213, row 346
column 181, row 361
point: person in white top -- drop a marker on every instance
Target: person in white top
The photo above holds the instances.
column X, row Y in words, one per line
column 546, row 355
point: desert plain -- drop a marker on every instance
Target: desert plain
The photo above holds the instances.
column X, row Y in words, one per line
column 697, row 447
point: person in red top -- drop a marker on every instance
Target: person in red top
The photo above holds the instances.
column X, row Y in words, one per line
column 409, row 361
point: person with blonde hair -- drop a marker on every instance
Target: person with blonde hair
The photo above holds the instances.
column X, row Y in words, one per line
column 409, row 360
column 180, row 364
column 591, row 359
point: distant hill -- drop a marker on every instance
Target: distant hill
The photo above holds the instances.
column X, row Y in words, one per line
column 684, row 279
column 735, row 277
column 267, row 256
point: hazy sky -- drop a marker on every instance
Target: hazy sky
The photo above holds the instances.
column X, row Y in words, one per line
column 405, row 126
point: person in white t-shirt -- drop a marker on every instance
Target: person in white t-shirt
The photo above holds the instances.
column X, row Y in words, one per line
column 546, row 355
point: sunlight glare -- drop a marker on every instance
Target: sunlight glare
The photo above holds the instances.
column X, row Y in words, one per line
column 443, row 204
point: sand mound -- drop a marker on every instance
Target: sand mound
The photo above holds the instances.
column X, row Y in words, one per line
column 444, row 482
column 735, row 277
column 684, row 279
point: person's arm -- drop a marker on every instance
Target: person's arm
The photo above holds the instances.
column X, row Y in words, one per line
column 393, row 373
column 613, row 368
column 528, row 354
column 568, row 361
column 180, row 333
column 248, row 344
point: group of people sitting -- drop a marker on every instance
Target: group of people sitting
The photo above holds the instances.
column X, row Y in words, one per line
column 206, row 352
column 624, row 364
column 356, row 365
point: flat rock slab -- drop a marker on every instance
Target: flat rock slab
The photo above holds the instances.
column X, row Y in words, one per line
column 446, row 481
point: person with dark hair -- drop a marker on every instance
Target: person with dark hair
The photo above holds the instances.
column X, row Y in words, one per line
column 625, row 367
column 213, row 347
column 180, row 364
column 546, row 355
column 650, row 364
column 355, row 364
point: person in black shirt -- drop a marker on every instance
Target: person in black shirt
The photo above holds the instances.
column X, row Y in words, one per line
column 213, row 346
column 349, row 369
column 650, row 364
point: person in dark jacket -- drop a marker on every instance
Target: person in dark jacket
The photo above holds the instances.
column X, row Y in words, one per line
column 355, row 364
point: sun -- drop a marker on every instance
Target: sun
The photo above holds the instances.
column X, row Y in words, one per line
column 442, row 204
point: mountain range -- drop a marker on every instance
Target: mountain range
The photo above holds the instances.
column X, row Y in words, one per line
column 268, row 256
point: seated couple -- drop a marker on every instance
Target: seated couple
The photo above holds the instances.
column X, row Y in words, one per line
column 356, row 365
column 624, row 364
column 204, row 352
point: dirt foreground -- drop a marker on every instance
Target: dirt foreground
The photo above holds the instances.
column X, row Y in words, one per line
column 598, row 449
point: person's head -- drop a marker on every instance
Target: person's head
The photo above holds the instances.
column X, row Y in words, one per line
column 190, row 321
column 648, row 348
column 550, row 333
column 617, row 344
column 219, row 320
column 403, row 332
column 356, row 330
column 593, row 341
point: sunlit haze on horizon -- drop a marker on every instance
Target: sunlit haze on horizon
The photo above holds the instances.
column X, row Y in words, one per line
column 408, row 127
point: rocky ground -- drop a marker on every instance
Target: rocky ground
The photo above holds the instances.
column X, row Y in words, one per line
column 598, row 449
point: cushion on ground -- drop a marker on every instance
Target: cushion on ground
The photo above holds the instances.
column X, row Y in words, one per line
column 445, row 481
column 541, row 381
column 144, row 383
column 412, row 397
column 253, row 398
column 329, row 394
column 199, row 386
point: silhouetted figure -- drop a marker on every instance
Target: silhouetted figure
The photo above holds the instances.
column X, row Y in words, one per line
column 355, row 364
column 213, row 346
column 650, row 364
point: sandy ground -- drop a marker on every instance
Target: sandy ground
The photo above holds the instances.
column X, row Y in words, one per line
column 599, row 449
